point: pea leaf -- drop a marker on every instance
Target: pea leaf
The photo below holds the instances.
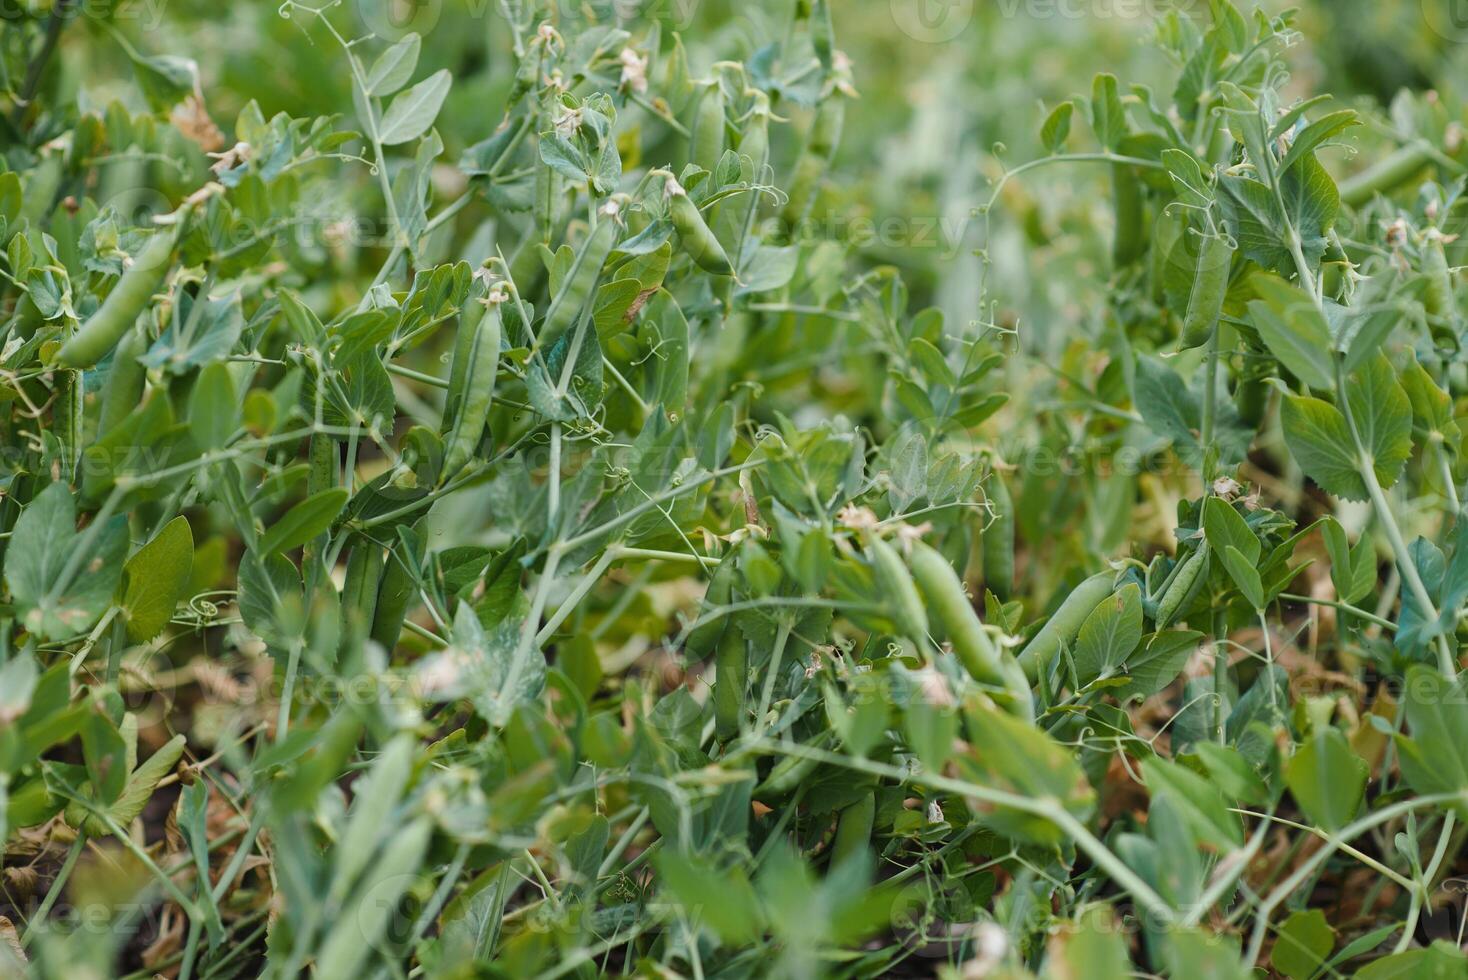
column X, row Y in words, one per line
column 394, row 67
column 1056, row 129
column 1199, row 802
column 413, row 111
column 1295, row 331
column 1303, row 943
column 1320, row 438
column 1327, row 779
column 213, row 410
column 1109, row 635
column 304, row 521
column 41, row 546
column 1434, row 759
column 155, row 578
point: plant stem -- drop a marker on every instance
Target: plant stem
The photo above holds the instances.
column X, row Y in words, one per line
column 1210, row 409
column 57, row 884
column 287, row 693
column 1343, row 607
column 1292, row 884
column 1048, row 808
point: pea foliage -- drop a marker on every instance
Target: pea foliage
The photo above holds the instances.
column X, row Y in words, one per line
column 503, row 527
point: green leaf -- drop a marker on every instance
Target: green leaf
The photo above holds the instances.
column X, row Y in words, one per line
column 1158, row 663
column 1294, row 330
column 1313, row 135
column 1383, row 416
column 1108, row 114
column 1032, row 764
column 1434, row 759
column 304, row 521
column 723, row 899
column 1094, row 948
column 1224, row 527
column 1056, row 129
column 1432, row 408
column 1193, row 189
column 1198, row 801
column 394, row 67
column 155, row 578
column 43, row 543
column 1256, row 221
column 213, row 409
column 1202, row 955
column 1245, row 575
column 1319, row 439
column 1231, row 772
column 1302, row 944
column 413, row 111
column 1109, row 635
column 1440, row 961
column 1327, row 779
column 1352, row 570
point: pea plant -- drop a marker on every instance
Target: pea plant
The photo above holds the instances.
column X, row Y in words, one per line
column 502, row 525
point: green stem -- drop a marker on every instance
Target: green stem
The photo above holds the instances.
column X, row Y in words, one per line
column 1343, row 607
column 57, row 884
column 1292, row 884
column 1045, row 807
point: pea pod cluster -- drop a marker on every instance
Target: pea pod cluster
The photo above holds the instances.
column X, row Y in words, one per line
column 472, row 381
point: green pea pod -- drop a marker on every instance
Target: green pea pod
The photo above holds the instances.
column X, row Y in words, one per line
column 1437, row 295
column 579, row 285
column 699, row 241
column 465, row 339
column 121, row 308
column 1183, row 588
column 482, row 365
column 324, row 464
column 1387, row 174
column 949, row 605
column 895, row 587
column 827, row 128
column 395, row 595
column 1065, row 625
column 854, row 830
column 815, row 159
column 702, row 638
column 1167, row 231
column 732, row 675
column 734, row 225
column 125, row 383
column 1252, row 398
column 998, row 540
column 1131, row 233
column 823, row 33
column 792, row 770
column 1210, row 286
column 359, row 590
column 706, row 139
